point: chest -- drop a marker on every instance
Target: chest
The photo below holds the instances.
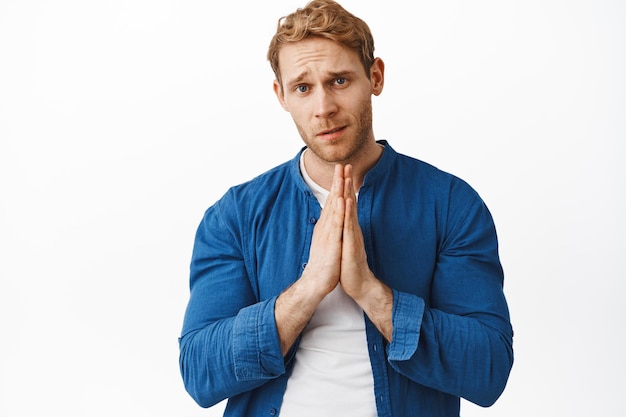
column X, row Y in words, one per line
column 400, row 243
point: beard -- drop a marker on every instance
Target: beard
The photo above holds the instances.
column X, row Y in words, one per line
column 349, row 146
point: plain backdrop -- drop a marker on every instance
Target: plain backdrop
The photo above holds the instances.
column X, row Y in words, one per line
column 122, row 121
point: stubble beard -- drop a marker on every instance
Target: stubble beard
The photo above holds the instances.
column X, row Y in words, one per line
column 346, row 150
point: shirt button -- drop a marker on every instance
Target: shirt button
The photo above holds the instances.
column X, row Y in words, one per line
column 312, row 220
column 272, row 411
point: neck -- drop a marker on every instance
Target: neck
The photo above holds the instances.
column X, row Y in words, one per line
column 321, row 171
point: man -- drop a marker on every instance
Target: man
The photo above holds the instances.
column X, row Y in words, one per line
column 351, row 280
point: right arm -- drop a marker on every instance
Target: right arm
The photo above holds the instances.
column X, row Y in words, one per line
column 232, row 343
column 229, row 341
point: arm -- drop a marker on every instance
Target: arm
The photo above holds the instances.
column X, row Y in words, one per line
column 229, row 341
column 295, row 306
column 460, row 341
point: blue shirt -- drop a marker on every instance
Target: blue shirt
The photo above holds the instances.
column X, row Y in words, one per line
column 428, row 236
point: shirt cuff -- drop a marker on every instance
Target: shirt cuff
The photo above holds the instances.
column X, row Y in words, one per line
column 256, row 346
column 408, row 311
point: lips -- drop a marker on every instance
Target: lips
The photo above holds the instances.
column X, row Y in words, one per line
column 331, row 133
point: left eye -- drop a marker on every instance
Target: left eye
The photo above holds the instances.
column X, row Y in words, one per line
column 341, row 81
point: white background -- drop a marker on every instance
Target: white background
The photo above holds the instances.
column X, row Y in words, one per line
column 122, row 121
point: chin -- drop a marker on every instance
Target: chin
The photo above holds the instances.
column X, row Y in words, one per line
column 334, row 156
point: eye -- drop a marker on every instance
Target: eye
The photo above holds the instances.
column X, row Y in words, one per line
column 341, row 81
column 302, row 89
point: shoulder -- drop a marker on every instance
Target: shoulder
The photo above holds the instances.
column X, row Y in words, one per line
column 265, row 185
column 234, row 209
column 456, row 205
column 258, row 194
column 416, row 173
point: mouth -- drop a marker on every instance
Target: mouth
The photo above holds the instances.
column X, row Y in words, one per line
column 331, row 134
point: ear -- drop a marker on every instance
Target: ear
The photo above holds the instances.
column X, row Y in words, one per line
column 377, row 76
column 278, row 90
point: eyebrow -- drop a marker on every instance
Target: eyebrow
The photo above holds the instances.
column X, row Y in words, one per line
column 331, row 75
column 342, row 74
column 297, row 80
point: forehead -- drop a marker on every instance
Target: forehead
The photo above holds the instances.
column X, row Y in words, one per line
column 317, row 56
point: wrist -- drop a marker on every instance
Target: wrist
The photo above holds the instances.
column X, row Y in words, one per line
column 376, row 300
column 363, row 290
column 313, row 287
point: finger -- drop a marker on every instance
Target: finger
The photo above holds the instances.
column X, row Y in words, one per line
column 348, row 191
column 351, row 229
column 349, row 194
column 338, row 179
column 336, row 188
column 349, row 219
column 330, row 224
column 353, row 247
column 353, row 258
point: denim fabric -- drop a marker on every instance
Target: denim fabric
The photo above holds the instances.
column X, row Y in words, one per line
column 428, row 236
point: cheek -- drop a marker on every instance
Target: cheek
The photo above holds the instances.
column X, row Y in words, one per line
column 298, row 113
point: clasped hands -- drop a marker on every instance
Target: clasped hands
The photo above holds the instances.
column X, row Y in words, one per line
column 337, row 253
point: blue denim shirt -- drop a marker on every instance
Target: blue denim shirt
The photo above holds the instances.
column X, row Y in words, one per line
column 428, row 236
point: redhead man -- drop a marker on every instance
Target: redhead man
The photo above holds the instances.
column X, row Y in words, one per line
column 351, row 280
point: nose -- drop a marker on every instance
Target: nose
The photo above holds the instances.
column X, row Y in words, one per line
column 325, row 103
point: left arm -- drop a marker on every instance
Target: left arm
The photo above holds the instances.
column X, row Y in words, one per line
column 462, row 343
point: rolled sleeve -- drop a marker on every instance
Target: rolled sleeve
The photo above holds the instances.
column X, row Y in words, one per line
column 408, row 311
column 256, row 347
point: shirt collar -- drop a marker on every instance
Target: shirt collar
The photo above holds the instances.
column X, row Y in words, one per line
column 374, row 175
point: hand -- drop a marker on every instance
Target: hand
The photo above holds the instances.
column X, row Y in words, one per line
column 324, row 264
column 355, row 272
column 337, row 254
column 357, row 279
column 296, row 305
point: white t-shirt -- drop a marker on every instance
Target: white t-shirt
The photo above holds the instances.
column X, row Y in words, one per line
column 332, row 375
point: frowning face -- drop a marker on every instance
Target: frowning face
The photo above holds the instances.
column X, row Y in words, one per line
column 328, row 94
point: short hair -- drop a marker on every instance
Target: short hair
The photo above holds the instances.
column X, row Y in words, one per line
column 324, row 19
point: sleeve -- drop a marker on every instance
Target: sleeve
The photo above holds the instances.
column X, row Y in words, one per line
column 461, row 341
column 229, row 342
